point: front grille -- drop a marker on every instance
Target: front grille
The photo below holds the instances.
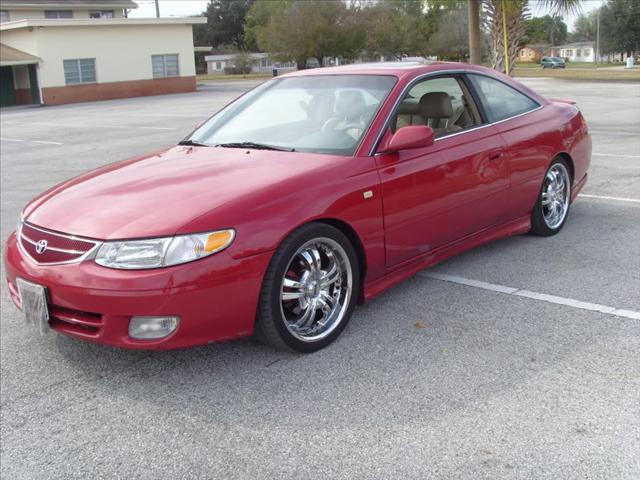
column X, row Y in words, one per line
column 74, row 321
column 47, row 247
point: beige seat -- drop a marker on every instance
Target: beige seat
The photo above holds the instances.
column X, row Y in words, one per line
column 436, row 107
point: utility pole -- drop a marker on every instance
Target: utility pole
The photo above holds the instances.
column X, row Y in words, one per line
column 157, row 8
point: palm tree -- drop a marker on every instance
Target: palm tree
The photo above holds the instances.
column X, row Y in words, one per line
column 503, row 18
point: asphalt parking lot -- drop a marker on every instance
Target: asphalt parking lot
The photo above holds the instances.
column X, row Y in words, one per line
column 439, row 378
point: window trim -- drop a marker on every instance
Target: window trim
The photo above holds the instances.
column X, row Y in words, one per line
column 464, row 74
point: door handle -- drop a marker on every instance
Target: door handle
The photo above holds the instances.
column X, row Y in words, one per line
column 495, row 155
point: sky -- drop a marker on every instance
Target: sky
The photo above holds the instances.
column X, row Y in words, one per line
column 184, row 8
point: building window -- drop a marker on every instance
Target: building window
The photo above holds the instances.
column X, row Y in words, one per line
column 58, row 14
column 578, row 52
column 4, row 16
column 568, row 53
column 218, row 65
column 165, row 66
column 522, row 53
column 79, row 70
column 102, row 14
column 530, row 53
column 587, row 52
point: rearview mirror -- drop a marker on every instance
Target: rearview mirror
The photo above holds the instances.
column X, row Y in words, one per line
column 411, row 136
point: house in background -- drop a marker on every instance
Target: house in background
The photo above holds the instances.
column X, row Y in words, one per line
column 261, row 63
column 575, row 52
column 65, row 51
column 533, row 53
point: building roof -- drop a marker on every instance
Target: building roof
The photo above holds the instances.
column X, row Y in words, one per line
column 56, row 4
column 12, row 56
column 576, row 44
column 100, row 22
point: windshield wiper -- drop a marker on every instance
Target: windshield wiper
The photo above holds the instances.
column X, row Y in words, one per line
column 191, row 143
column 257, row 146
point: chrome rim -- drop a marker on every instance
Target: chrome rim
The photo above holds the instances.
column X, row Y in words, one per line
column 316, row 289
column 555, row 195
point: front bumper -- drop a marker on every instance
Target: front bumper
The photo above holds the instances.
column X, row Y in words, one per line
column 215, row 297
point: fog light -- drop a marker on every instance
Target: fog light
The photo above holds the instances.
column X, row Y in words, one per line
column 148, row 328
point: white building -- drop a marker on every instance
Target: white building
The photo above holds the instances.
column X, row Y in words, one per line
column 575, row 52
column 261, row 63
column 66, row 51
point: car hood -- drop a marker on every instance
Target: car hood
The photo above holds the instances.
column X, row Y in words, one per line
column 157, row 194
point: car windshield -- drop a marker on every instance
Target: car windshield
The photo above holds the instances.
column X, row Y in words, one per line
column 317, row 113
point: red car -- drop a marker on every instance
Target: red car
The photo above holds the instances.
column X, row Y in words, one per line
column 314, row 191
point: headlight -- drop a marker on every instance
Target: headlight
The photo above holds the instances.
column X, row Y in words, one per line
column 162, row 252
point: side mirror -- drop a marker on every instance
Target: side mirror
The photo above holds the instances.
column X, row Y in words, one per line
column 411, row 136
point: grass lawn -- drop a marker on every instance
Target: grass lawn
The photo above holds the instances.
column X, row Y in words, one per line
column 580, row 74
column 232, row 77
column 581, row 65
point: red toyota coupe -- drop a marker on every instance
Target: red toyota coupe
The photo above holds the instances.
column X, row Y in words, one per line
column 314, row 191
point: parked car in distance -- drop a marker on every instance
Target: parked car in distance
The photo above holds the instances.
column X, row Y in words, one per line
column 552, row 62
column 313, row 192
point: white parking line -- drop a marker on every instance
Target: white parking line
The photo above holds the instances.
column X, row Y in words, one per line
column 615, row 155
column 604, row 132
column 87, row 125
column 47, row 142
column 615, row 199
column 543, row 297
column 44, row 142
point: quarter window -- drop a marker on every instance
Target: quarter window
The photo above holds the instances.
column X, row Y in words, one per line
column 501, row 101
column 79, row 70
column 58, row 14
column 165, row 66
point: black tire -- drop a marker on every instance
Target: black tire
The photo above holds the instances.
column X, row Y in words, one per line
column 540, row 226
column 270, row 325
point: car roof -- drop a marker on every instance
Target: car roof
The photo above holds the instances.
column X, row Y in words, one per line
column 398, row 69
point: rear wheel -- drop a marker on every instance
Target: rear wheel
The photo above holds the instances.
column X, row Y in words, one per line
column 552, row 208
column 309, row 291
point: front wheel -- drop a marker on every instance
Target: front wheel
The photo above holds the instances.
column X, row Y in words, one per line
column 550, row 211
column 309, row 290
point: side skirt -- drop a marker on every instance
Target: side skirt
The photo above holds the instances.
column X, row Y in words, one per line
column 405, row 270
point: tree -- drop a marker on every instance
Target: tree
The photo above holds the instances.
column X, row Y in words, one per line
column 225, row 24
column 504, row 20
column 584, row 28
column 450, row 40
column 547, row 29
column 300, row 29
column 394, row 29
column 619, row 26
column 473, row 26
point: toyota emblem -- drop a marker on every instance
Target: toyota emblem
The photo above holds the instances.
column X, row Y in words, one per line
column 41, row 246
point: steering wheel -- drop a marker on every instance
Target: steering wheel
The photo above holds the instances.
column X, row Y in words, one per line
column 334, row 123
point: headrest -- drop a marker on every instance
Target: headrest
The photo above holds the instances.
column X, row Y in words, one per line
column 350, row 104
column 436, row 105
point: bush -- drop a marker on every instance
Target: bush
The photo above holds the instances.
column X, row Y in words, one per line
column 239, row 64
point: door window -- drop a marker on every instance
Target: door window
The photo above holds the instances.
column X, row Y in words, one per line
column 501, row 101
column 442, row 103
